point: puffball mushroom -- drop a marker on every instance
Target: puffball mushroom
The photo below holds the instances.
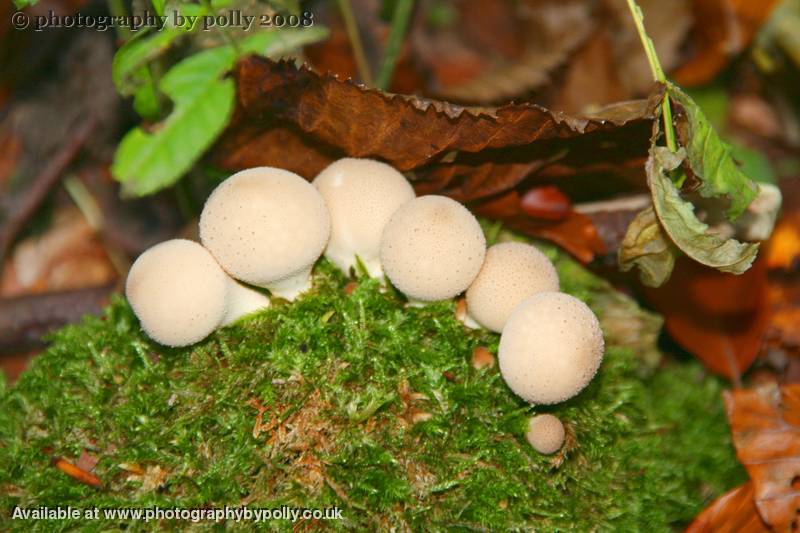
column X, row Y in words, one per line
column 361, row 195
column 266, row 226
column 545, row 434
column 178, row 292
column 432, row 248
column 511, row 272
column 550, row 348
column 242, row 300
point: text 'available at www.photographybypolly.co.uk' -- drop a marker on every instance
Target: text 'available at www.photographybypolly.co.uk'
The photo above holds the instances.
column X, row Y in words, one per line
column 148, row 514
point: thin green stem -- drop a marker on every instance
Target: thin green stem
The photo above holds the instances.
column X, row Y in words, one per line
column 226, row 36
column 400, row 18
column 355, row 41
column 117, row 9
column 658, row 73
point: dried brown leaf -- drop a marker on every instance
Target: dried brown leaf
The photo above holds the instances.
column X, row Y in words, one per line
column 720, row 318
column 733, row 512
column 765, row 423
column 406, row 131
column 76, row 473
column 722, row 29
column 499, row 50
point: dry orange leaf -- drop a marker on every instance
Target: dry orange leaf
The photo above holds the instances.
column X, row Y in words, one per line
column 722, row 29
column 76, row 473
column 574, row 232
column 783, row 260
column 783, row 250
column 734, row 511
column 765, row 423
column 720, row 318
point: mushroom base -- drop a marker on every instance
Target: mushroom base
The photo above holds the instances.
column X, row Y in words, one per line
column 291, row 287
column 347, row 261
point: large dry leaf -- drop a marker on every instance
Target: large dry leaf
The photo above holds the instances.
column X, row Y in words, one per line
column 765, row 423
column 720, row 318
column 406, row 131
column 734, row 511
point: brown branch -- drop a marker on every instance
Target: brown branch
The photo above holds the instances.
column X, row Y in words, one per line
column 24, row 319
column 23, row 208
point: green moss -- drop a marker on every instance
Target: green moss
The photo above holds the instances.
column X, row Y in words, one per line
column 375, row 408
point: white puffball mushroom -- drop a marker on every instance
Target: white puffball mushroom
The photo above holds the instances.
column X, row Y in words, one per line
column 178, row 292
column 511, row 272
column 432, row 248
column 550, row 348
column 545, row 434
column 361, row 195
column 242, row 300
column 266, row 226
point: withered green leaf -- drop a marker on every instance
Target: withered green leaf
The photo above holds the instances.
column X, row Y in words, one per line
column 710, row 159
column 680, row 222
column 647, row 246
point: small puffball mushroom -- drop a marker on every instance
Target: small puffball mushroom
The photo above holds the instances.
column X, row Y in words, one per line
column 242, row 300
column 266, row 226
column 545, row 434
column 432, row 248
column 178, row 292
column 361, row 195
column 551, row 348
column 511, row 272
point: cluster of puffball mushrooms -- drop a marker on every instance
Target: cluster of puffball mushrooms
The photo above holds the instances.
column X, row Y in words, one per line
column 264, row 228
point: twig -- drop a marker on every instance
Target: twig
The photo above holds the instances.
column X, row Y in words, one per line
column 400, row 18
column 26, row 206
column 94, row 216
column 76, row 473
column 355, row 42
column 24, row 319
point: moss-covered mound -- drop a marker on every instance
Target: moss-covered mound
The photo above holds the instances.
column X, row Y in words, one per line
column 356, row 401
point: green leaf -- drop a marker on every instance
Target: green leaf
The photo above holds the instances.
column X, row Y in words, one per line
column 146, row 103
column 22, row 4
column 710, row 159
column 158, row 6
column 753, row 164
column 146, row 162
column 679, row 221
column 128, row 68
column 647, row 246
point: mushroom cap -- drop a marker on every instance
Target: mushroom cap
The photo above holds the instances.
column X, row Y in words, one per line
column 242, row 300
column 178, row 292
column 361, row 195
column 545, row 433
column 511, row 272
column 551, row 348
column 264, row 225
column 432, row 248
